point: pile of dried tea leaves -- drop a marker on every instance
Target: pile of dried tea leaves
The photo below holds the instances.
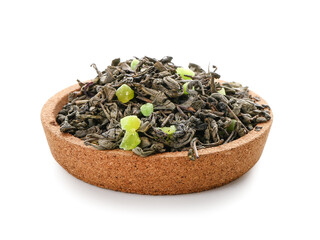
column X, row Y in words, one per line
column 152, row 106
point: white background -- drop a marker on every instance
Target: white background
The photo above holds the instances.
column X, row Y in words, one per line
column 271, row 46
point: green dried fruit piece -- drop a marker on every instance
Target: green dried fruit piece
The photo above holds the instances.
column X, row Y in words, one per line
column 185, row 71
column 169, row 130
column 185, row 87
column 146, row 109
column 124, row 93
column 222, row 91
column 134, row 64
column 130, row 123
column 130, row 140
column 231, row 127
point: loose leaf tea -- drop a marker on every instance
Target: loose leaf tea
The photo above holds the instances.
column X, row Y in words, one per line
column 152, row 106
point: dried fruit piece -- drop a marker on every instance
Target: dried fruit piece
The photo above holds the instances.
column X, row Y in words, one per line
column 222, row 91
column 134, row 64
column 146, row 109
column 130, row 123
column 124, row 93
column 185, row 71
column 169, row 130
column 231, row 127
column 130, row 140
column 185, row 87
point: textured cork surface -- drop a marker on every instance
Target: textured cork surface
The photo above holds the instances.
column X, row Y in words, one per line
column 160, row 174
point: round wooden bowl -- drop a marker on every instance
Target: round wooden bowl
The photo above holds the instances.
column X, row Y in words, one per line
column 160, row 174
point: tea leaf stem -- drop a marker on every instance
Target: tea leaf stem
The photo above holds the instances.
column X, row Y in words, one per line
column 144, row 99
column 230, row 136
column 104, row 111
column 97, row 70
column 193, row 144
column 236, row 117
column 213, row 144
column 212, row 85
column 181, row 112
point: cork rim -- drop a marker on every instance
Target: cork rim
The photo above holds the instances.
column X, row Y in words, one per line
column 56, row 102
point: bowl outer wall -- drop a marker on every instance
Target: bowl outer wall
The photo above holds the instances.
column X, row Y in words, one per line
column 160, row 174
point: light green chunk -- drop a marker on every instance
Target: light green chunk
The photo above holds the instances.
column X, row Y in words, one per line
column 222, row 91
column 169, row 130
column 185, row 87
column 185, row 71
column 130, row 140
column 130, row 123
column 134, row 64
column 231, row 126
column 146, row 109
column 124, row 93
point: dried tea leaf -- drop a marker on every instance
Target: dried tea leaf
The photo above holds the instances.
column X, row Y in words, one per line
column 159, row 107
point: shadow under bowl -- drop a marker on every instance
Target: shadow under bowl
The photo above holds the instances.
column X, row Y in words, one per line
column 160, row 174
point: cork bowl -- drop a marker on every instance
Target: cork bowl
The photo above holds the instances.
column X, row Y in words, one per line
column 160, row 174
